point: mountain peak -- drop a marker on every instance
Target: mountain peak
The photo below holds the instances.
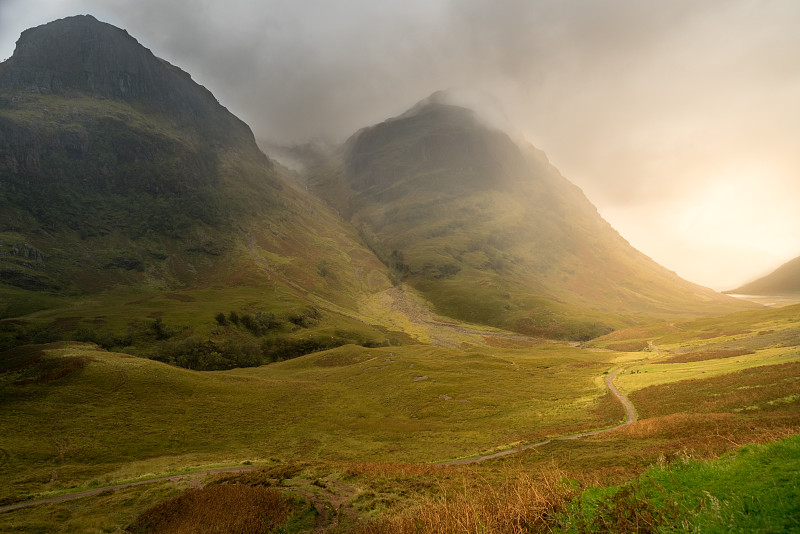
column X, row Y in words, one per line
column 442, row 144
column 437, row 100
column 81, row 54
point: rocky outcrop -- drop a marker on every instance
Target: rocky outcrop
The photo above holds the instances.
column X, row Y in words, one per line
column 22, row 250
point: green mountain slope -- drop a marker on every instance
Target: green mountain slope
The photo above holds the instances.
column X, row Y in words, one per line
column 117, row 170
column 785, row 280
column 491, row 232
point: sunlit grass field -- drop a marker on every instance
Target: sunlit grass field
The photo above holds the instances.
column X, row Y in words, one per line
column 351, row 434
column 116, row 417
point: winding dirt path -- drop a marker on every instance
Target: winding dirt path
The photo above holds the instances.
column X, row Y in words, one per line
column 630, row 417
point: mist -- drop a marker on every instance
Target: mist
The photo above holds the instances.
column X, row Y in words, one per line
column 678, row 119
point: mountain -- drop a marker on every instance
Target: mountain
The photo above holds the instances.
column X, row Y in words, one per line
column 118, row 170
column 116, row 166
column 98, row 137
column 490, row 232
column 123, row 179
column 785, row 280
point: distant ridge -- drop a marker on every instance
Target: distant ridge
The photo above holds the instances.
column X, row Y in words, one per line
column 784, row 280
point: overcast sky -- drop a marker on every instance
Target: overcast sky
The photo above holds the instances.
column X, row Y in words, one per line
column 680, row 119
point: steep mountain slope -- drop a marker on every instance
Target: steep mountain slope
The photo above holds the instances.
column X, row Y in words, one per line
column 490, row 232
column 117, row 167
column 784, row 280
column 117, row 170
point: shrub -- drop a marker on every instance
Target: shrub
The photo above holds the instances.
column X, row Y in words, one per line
column 322, row 268
column 307, row 317
column 280, row 349
column 259, row 324
column 160, row 330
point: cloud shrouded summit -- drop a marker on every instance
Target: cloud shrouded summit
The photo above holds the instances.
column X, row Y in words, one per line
column 676, row 118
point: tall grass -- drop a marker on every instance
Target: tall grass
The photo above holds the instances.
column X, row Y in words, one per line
column 521, row 503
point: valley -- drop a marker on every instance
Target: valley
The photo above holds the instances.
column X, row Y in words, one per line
column 396, row 411
column 426, row 329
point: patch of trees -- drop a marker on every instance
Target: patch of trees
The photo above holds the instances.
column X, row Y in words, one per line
column 206, row 355
column 245, row 339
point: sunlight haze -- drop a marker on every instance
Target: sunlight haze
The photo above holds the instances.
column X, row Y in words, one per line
column 677, row 119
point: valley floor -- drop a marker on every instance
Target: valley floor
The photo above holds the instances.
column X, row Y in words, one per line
column 350, row 438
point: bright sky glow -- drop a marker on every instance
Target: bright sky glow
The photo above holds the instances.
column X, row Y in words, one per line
column 678, row 118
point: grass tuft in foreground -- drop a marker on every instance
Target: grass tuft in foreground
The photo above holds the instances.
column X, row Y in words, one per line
column 755, row 489
column 519, row 504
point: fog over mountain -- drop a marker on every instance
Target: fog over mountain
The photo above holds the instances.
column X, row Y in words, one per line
column 676, row 118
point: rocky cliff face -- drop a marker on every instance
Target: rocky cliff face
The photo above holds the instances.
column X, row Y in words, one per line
column 99, row 138
column 81, row 55
column 116, row 169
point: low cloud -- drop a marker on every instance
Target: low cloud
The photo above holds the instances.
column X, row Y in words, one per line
column 639, row 102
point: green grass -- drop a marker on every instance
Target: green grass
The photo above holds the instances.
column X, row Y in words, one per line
column 755, row 489
column 650, row 373
column 107, row 512
column 122, row 417
column 731, row 343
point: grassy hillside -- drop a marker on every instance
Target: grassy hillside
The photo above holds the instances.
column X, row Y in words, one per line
column 75, row 413
column 153, row 226
column 491, row 233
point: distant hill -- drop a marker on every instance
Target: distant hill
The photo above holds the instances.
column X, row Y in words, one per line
column 491, row 232
column 785, row 280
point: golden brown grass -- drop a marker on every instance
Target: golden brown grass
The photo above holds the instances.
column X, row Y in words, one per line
column 707, row 435
column 750, row 390
column 704, row 355
column 520, row 503
column 221, row 508
column 706, row 417
column 628, row 346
